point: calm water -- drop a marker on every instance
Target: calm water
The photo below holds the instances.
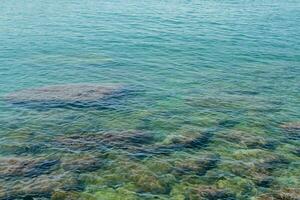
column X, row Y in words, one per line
column 210, row 107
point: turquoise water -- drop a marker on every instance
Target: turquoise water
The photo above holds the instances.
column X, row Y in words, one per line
column 210, row 107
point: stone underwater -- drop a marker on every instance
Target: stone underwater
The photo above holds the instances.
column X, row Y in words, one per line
column 145, row 100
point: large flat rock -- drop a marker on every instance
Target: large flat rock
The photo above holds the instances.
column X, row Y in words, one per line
column 64, row 94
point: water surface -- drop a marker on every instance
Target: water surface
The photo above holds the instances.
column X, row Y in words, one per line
column 210, row 106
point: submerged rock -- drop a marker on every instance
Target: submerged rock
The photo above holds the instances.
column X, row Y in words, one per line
column 215, row 103
column 292, row 129
column 208, row 193
column 193, row 140
column 22, row 148
column 40, row 187
column 262, row 161
column 60, row 95
column 262, row 180
column 81, row 163
column 146, row 181
column 127, row 138
column 257, row 166
column 173, row 144
column 282, row 194
column 71, row 195
column 138, row 177
column 288, row 194
column 296, row 151
column 248, row 140
column 196, row 166
column 159, row 166
column 114, row 194
column 63, row 195
column 21, row 167
column 103, row 141
column 182, row 142
column 291, row 126
column 271, row 163
column 2, row 192
column 134, row 143
column 240, row 186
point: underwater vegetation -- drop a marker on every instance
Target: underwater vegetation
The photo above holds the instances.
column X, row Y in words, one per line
column 150, row 100
column 217, row 159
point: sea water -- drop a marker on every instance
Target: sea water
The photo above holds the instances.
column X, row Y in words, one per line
column 210, row 106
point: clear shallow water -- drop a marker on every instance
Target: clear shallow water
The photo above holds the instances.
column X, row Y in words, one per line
column 210, row 111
